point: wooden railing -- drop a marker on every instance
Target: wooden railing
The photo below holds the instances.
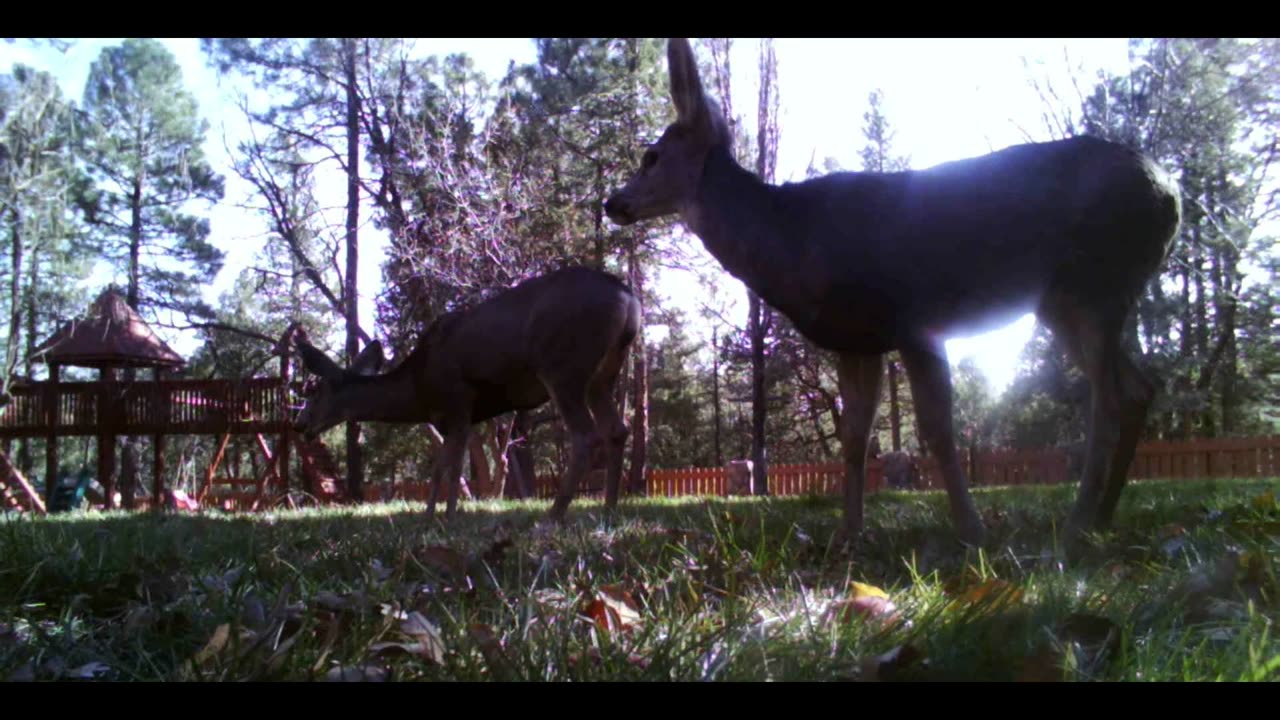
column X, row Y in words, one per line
column 144, row 408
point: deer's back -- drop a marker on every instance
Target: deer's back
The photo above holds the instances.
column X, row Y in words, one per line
column 968, row 245
column 502, row 346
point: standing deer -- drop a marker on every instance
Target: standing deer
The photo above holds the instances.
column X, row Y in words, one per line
column 562, row 336
column 866, row 263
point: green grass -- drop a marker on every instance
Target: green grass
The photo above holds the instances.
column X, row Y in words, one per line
column 690, row 589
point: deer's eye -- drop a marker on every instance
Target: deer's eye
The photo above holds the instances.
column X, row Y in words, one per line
column 649, row 160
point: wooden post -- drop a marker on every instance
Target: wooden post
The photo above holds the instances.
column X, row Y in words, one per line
column 213, row 468
column 51, row 422
column 10, row 473
column 161, row 418
column 107, row 417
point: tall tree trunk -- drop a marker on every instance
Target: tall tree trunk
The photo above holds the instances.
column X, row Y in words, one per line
column 128, row 447
column 1201, row 318
column 755, row 324
column 895, row 417
column 355, row 460
column 715, row 391
column 33, row 294
column 15, row 291
column 481, row 478
column 15, row 320
column 1183, row 381
column 639, row 384
column 760, row 315
column 598, row 211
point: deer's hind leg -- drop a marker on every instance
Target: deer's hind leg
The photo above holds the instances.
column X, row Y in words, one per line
column 1120, row 395
column 569, row 393
column 611, row 429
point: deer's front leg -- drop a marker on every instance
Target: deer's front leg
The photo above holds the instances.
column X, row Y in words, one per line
column 448, row 466
column 860, row 378
column 930, row 377
column 455, row 449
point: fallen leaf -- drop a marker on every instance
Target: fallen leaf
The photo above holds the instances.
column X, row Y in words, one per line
column 223, row 583
column 614, row 609
column 866, row 601
column 873, row 607
column 358, row 673
column 490, row 647
column 418, row 627
column 989, row 595
column 332, row 627
column 393, row 648
column 392, row 610
column 352, row 602
column 278, row 656
column 858, row 590
column 443, row 559
column 215, row 644
column 254, row 612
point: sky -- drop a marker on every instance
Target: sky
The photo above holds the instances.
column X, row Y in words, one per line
column 945, row 98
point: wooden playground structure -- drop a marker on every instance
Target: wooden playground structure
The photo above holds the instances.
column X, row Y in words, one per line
column 112, row 338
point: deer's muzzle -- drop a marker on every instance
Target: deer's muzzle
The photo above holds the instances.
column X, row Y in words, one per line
column 615, row 208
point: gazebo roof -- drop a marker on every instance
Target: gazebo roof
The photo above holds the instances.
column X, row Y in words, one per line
column 110, row 335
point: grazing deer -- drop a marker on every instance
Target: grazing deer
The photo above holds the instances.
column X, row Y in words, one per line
column 866, row 263
column 562, row 336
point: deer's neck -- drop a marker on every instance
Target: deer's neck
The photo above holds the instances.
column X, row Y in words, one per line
column 743, row 225
column 385, row 398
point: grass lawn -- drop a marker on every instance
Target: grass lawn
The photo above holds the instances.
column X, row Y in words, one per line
column 690, row 589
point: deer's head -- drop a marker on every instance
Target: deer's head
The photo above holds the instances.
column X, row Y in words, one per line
column 670, row 169
column 330, row 394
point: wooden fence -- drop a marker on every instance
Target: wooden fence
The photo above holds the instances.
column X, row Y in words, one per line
column 1248, row 457
column 1190, row 459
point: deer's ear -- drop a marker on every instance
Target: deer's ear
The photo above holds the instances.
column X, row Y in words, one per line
column 317, row 362
column 686, row 87
column 370, row 360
